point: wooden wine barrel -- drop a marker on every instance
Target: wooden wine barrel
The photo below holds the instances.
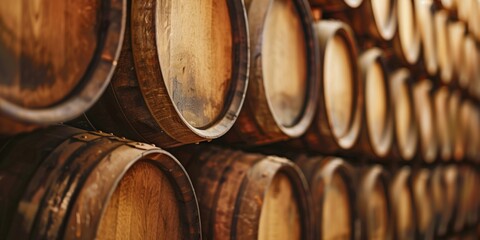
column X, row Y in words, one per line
column 445, row 60
column 406, row 130
column 403, row 210
column 338, row 116
column 249, row 196
column 335, row 5
column 447, row 4
column 373, row 205
column 56, row 58
column 473, row 130
column 407, row 40
column 469, row 68
column 376, row 136
column 464, row 9
column 462, row 130
column 377, row 19
column 442, row 122
column 473, row 21
column 423, row 199
column 182, row 73
column 425, row 115
column 456, row 35
column 282, row 91
column 65, row 183
column 444, row 182
column 467, row 215
column 425, row 20
column 331, row 182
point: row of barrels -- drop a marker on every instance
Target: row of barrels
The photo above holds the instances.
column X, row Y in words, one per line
column 66, row 183
column 185, row 74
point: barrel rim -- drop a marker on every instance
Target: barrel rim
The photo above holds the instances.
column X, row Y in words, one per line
column 423, row 176
column 446, row 70
column 92, row 84
column 386, row 32
column 430, row 63
column 144, row 53
column 403, row 177
column 411, row 54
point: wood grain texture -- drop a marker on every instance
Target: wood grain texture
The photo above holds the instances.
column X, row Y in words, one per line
column 182, row 73
column 56, row 58
column 249, row 196
column 281, row 97
column 72, row 187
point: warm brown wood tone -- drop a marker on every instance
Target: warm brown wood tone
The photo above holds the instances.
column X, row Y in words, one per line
column 401, row 198
column 456, row 35
column 473, row 144
column 470, row 61
column 331, row 184
column 335, row 5
column 282, row 91
column 372, row 204
column 407, row 40
column 65, row 183
column 454, row 118
column 462, row 129
column 468, row 202
column 406, row 129
column 377, row 129
column 425, row 20
column 182, row 73
column 442, row 122
column 425, row 115
column 446, row 193
column 423, row 200
column 249, row 196
column 56, row 58
column 338, row 116
column 376, row 18
column 445, row 61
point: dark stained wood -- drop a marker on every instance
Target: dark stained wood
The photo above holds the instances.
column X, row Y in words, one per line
column 376, row 136
column 56, row 58
column 407, row 39
column 373, row 205
column 375, row 19
column 282, row 91
column 65, row 183
column 331, row 182
column 423, row 200
column 249, row 196
column 182, row 73
column 403, row 211
column 338, row 116
column 406, row 135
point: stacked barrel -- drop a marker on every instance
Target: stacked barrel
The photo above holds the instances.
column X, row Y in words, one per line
column 283, row 119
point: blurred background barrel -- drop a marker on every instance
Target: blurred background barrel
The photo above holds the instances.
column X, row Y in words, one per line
column 443, row 123
column 425, row 21
column 56, row 58
column 425, row 115
column 331, row 184
column 282, row 92
column 377, row 123
column 376, row 19
column 65, row 183
column 249, row 196
column 182, row 74
column 405, row 123
column 407, row 40
column 403, row 210
column 338, row 115
column 335, row 5
column 445, row 60
column 373, row 205
column 423, row 198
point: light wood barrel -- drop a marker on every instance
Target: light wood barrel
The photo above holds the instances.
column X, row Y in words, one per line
column 467, row 215
column 65, row 183
column 182, row 73
column 425, row 115
column 407, row 40
column 447, row 4
column 373, row 204
column 445, row 182
column 456, row 35
column 462, row 129
column 425, row 20
column 469, row 68
column 331, row 184
column 249, row 196
column 441, row 98
column 376, row 18
column 406, row 135
column 335, row 5
column 423, row 199
column 56, row 58
column 403, row 210
column 282, row 91
column 338, row 116
column 473, row 144
column 445, row 60
column 377, row 129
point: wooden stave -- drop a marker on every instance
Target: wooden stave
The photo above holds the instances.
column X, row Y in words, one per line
column 366, row 184
column 402, row 179
column 398, row 78
column 208, row 167
column 149, row 123
column 365, row 143
column 256, row 124
column 422, row 188
column 325, row 168
column 407, row 56
column 320, row 137
column 16, row 119
column 79, row 212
